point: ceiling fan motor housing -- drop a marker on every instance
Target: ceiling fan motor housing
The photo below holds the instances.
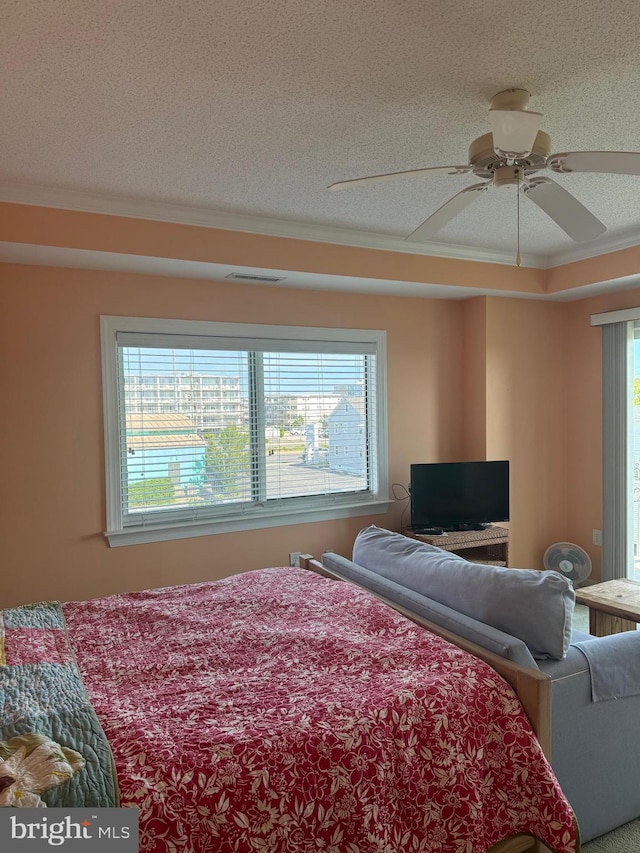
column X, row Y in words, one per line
column 510, row 99
column 485, row 161
column 508, row 176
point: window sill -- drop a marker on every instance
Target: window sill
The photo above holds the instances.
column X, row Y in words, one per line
column 191, row 529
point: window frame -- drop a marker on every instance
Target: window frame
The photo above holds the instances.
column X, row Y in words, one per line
column 292, row 511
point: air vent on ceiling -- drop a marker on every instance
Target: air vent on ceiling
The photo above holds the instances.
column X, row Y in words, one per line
column 245, row 276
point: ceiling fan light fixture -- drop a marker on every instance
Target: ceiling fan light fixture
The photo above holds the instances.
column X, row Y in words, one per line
column 514, row 132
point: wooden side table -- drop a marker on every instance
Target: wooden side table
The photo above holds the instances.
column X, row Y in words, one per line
column 490, row 546
column 614, row 606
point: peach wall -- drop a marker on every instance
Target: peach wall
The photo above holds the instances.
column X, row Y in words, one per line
column 45, row 226
column 607, row 267
column 52, row 511
column 526, row 418
column 514, row 379
column 106, row 233
column 474, row 379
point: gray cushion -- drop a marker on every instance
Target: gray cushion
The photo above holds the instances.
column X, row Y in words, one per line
column 505, row 645
column 535, row 606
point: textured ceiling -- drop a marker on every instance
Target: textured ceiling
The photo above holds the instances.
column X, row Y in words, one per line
column 253, row 108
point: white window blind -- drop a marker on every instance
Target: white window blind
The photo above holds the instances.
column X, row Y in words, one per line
column 214, row 427
column 617, row 469
column 617, row 441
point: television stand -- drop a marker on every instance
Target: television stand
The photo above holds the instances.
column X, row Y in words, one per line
column 489, row 545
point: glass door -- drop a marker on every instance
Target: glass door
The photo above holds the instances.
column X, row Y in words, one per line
column 633, row 568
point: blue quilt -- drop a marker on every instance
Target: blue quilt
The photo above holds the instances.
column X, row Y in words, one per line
column 53, row 750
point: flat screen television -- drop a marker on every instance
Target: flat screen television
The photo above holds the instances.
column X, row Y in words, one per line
column 458, row 495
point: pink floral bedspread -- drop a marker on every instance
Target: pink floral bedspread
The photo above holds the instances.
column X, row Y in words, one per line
column 279, row 711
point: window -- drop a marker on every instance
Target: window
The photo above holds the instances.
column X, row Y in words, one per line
column 189, row 469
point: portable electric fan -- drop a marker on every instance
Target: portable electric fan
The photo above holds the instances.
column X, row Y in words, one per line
column 570, row 560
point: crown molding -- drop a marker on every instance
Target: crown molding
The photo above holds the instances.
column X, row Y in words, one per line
column 41, row 196
column 605, row 246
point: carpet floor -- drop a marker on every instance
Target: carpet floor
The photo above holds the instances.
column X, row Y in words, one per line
column 625, row 839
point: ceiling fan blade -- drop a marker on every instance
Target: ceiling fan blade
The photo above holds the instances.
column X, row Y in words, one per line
column 446, row 213
column 514, row 131
column 565, row 209
column 391, row 176
column 609, row 162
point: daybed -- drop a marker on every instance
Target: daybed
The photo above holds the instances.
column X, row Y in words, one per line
column 525, row 616
column 271, row 711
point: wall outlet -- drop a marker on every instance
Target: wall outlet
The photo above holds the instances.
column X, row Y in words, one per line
column 294, row 558
column 597, row 537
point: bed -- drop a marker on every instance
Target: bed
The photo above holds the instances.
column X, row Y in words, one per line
column 277, row 710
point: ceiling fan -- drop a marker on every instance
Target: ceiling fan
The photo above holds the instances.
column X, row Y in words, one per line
column 513, row 155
